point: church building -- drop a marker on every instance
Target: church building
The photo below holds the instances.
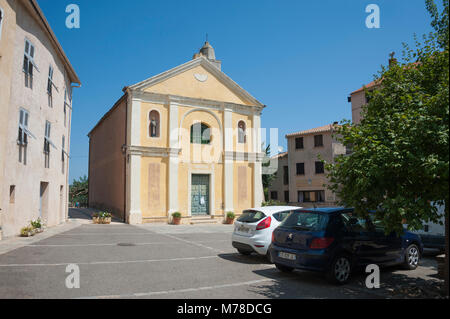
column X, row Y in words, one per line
column 187, row 140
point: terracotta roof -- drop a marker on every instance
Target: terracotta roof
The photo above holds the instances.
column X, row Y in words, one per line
column 321, row 129
column 279, row 155
column 72, row 74
column 368, row 86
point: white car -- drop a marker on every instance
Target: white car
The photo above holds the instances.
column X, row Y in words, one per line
column 253, row 229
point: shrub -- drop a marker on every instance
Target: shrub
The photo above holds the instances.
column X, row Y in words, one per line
column 36, row 224
column 105, row 215
column 231, row 215
column 25, row 230
column 273, row 203
column 176, row 215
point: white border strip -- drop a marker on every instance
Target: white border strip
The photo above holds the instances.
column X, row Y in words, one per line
column 165, row 292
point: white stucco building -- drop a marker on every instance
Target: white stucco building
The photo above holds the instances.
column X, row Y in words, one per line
column 36, row 81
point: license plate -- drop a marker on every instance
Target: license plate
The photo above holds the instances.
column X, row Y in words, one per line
column 287, row 256
column 243, row 229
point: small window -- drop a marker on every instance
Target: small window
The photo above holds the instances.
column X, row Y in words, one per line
column 285, row 175
column 1, row 22
column 47, row 143
column 66, row 104
column 200, row 134
column 154, row 124
column 300, row 168
column 274, row 195
column 320, row 196
column 23, row 135
column 242, row 134
column 12, row 194
column 50, row 86
column 318, row 140
column 319, row 168
column 65, row 115
column 311, row 196
column 63, row 153
column 286, row 196
column 28, row 64
column 23, row 127
column 299, row 143
column 301, row 197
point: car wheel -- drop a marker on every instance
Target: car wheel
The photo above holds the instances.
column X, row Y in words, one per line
column 244, row 252
column 284, row 268
column 412, row 257
column 340, row 270
column 269, row 257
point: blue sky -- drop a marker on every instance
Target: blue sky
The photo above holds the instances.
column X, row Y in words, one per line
column 300, row 58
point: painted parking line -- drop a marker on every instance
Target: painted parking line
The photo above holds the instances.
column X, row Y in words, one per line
column 109, row 262
column 166, row 292
column 102, row 234
column 198, row 244
column 118, row 244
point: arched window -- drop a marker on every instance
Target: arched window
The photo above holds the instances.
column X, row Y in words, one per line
column 242, row 134
column 154, row 124
column 200, row 133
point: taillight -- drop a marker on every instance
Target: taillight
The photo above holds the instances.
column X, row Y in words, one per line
column 321, row 243
column 264, row 224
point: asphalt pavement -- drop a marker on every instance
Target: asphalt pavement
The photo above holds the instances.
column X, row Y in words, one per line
column 165, row 261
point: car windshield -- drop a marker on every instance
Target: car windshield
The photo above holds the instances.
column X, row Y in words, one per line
column 306, row 220
column 251, row 216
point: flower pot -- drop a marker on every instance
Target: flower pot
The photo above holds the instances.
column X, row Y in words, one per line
column 176, row 220
column 229, row 221
column 106, row 220
column 96, row 220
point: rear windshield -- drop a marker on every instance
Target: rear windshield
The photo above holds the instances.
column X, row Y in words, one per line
column 251, row 216
column 306, row 220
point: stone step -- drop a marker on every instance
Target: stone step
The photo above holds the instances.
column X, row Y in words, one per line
column 203, row 220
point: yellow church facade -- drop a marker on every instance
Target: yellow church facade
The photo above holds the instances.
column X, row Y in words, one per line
column 187, row 140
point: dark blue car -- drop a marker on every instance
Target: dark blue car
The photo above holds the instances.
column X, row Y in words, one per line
column 335, row 241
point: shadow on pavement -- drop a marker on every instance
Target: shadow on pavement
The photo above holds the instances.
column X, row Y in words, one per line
column 252, row 259
column 394, row 283
column 304, row 284
column 86, row 214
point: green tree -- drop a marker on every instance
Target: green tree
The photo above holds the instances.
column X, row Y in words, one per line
column 399, row 163
column 79, row 190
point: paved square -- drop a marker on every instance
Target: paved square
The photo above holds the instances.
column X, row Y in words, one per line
column 164, row 261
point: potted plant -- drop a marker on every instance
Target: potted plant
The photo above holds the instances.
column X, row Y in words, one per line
column 176, row 218
column 230, row 218
column 96, row 218
column 27, row 231
column 105, row 218
column 37, row 225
